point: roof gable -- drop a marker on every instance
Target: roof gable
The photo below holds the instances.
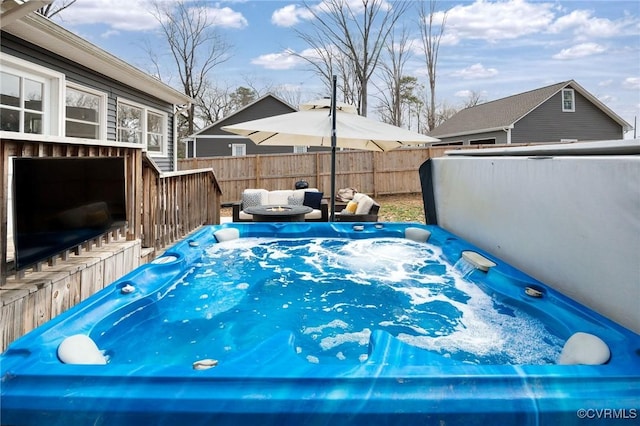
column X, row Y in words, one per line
column 252, row 111
column 504, row 113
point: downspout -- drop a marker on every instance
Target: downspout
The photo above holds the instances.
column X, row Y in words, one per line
column 176, row 110
column 508, row 131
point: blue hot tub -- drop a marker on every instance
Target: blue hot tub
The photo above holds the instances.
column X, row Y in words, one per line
column 322, row 323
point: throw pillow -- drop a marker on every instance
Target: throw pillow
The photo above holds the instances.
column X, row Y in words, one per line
column 351, row 207
column 312, row 199
column 294, row 200
column 364, row 205
column 251, row 199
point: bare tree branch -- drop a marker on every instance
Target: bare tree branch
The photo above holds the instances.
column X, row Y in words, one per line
column 54, row 8
column 348, row 38
column 397, row 92
column 194, row 44
column 431, row 34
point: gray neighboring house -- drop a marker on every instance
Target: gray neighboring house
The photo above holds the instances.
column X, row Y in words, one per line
column 562, row 112
column 212, row 141
column 58, row 87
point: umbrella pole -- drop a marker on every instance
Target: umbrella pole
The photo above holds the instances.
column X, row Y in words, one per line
column 333, row 149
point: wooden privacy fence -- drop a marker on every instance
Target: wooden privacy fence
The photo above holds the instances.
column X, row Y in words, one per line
column 376, row 173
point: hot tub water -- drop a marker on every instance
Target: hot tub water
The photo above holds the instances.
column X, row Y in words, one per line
column 331, row 293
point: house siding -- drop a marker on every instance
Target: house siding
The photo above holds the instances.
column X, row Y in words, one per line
column 79, row 74
column 548, row 123
column 207, row 147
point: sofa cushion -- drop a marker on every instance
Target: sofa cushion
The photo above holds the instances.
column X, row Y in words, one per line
column 279, row 197
column 312, row 199
column 254, row 197
column 313, row 214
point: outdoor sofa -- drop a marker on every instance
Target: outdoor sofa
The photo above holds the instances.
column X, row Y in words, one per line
column 310, row 197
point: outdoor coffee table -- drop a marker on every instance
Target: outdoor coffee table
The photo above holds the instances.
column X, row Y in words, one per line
column 278, row 213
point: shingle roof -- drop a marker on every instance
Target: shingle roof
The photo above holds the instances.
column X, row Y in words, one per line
column 503, row 113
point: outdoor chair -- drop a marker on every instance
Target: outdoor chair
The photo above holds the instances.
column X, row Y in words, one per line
column 361, row 208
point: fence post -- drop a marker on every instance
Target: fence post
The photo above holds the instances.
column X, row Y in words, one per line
column 257, row 171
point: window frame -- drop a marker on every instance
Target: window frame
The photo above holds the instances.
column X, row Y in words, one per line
column 573, row 100
column 144, row 139
column 102, row 113
column 52, row 93
column 243, row 148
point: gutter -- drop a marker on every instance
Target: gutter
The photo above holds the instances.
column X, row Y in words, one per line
column 474, row 132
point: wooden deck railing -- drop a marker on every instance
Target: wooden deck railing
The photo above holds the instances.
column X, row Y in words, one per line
column 176, row 203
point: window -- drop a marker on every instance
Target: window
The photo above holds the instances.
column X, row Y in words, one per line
column 238, row 150
column 155, row 132
column 139, row 124
column 129, row 125
column 299, row 149
column 29, row 97
column 21, row 103
column 84, row 110
column 568, row 100
column 490, row 141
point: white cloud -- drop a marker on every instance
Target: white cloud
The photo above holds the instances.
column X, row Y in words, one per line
column 584, row 25
column 607, row 99
column 495, row 21
column 605, row 83
column 579, row 51
column 467, row 94
column 289, row 15
column 123, row 15
column 631, row 83
column 277, row 61
column 109, row 33
column 135, row 15
column 292, row 14
column 226, row 17
column 475, row 71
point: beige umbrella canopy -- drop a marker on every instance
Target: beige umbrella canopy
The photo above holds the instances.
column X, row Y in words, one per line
column 311, row 126
column 320, row 123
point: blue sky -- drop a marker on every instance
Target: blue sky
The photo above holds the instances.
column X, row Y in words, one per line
column 495, row 48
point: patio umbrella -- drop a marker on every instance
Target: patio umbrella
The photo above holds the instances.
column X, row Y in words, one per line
column 330, row 124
